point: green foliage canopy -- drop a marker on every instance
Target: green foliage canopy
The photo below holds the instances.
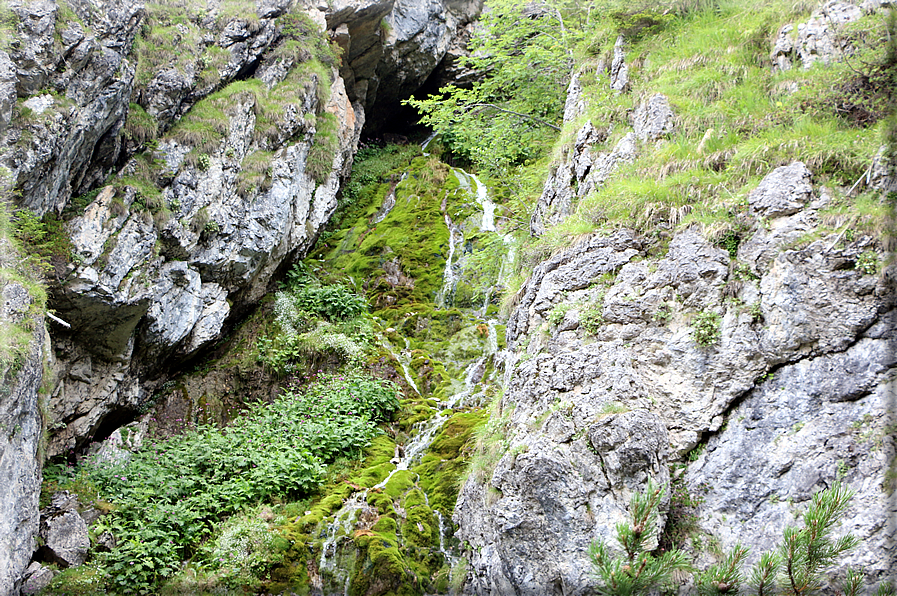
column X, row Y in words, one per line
column 524, row 54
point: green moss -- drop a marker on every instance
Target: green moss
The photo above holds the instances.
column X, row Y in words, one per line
column 400, row 482
column 413, row 238
column 445, row 464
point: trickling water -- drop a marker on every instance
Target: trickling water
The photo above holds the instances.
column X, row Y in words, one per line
column 340, row 528
column 404, row 359
column 388, row 203
column 450, row 274
column 468, row 389
column 426, row 143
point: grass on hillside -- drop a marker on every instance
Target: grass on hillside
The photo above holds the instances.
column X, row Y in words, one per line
column 737, row 120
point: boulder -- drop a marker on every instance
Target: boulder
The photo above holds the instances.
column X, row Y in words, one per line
column 786, row 190
column 37, row 577
column 64, row 532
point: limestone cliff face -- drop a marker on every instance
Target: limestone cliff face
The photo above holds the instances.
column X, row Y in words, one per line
column 225, row 146
column 797, row 391
column 20, row 424
column 607, row 384
column 392, row 46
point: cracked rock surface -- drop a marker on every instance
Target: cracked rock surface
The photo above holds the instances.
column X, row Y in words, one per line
column 607, row 379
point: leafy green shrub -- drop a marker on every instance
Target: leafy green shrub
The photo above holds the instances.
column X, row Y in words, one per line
column 245, row 550
column 591, row 317
column 643, row 21
column 168, row 496
column 867, row 262
column 637, row 571
column 706, row 328
column 333, row 302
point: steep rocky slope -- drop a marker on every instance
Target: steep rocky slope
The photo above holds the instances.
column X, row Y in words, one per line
column 24, row 346
column 227, row 135
column 708, row 304
column 609, row 384
column 743, row 361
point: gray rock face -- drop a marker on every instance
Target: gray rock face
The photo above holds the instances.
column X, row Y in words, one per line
column 20, row 430
column 820, row 38
column 598, row 331
column 816, row 421
column 392, row 46
column 147, row 291
column 584, row 167
column 654, row 119
column 531, row 523
column 619, row 71
column 883, row 174
column 64, row 531
column 52, row 154
column 583, row 171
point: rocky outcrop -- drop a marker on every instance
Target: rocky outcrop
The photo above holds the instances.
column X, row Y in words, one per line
column 150, row 290
column 530, row 525
column 821, row 38
column 73, row 80
column 391, row 47
column 22, row 357
column 64, row 532
column 783, row 356
column 227, row 136
column 815, row 421
column 584, row 167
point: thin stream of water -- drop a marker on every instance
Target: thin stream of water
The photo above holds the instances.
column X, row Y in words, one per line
column 409, row 454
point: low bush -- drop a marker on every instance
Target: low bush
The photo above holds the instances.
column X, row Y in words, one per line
column 168, row 496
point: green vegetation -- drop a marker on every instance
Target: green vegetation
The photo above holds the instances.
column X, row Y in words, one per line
column 140, row 127
column 22, row 261
column 796, row 568
column 638, row 571
column 706, row 328
column 737, row 118
column 9, row 24
column 167, row 497
column 507, row 119
column 316, row 323
column 324, row 148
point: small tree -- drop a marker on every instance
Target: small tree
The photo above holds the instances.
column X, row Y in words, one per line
column 724, row 577
column 637, row 571
column 796, row 568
